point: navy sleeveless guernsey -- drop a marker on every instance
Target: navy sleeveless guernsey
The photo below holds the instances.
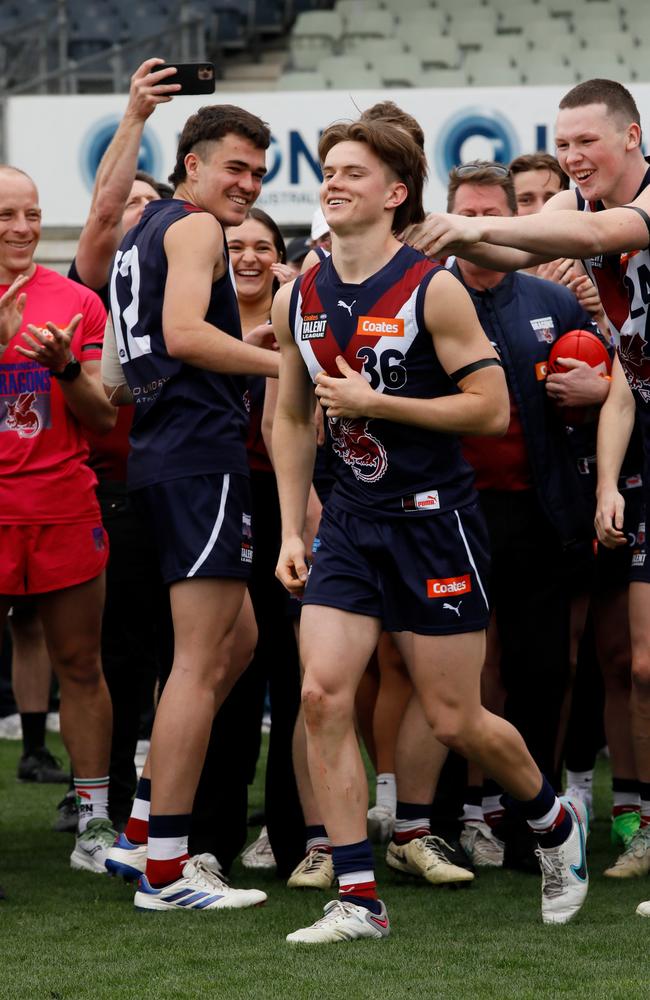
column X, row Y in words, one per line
column 382, row 467
column 623, row 283
column 188, row 421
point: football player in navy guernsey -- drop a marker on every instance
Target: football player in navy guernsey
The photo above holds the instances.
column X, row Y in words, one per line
column 598, row 139
column 178, row 342
column 401, row 368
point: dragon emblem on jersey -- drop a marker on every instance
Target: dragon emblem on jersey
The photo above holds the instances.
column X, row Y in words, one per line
column 359, row 449
column 22, row 416
column 636, row 364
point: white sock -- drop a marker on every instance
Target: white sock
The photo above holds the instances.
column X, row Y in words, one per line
column 580, row 779
column 544, row 823
column 386, row 794
column 92, row 800
column 472, row 813
column 626, row 799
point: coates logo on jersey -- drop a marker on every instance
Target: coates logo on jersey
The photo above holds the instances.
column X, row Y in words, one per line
column 451, row 585
column 314, row 326
column 359, row 449
column 377, row 326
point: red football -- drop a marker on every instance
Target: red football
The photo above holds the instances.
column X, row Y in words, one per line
column 583, row 346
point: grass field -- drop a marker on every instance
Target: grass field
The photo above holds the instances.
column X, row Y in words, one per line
column 70, row 935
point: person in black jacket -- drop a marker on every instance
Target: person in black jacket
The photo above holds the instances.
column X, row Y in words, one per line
column 528, row 481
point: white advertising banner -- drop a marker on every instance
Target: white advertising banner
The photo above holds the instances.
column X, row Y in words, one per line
column 60, row 140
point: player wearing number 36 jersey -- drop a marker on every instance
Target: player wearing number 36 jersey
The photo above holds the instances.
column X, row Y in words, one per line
column 379, row 327
column 401, row 367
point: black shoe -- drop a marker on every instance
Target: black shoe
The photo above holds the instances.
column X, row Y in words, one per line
column 68, row 813
column 520, row 844
column 42, row 767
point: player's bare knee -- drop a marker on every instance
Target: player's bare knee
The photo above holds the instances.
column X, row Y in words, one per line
column 452, row 730
column 641, row 672
column 323, row 708
column 78, row 668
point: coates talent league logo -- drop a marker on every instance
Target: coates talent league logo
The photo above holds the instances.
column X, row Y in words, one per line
column 454, row 143
column 96, row 141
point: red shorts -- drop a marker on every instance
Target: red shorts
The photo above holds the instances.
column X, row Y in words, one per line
column 37, row 558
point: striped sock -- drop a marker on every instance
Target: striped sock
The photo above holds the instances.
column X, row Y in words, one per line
column 411, row 821
column 545, row 815
column 472, row 805
column 493, row 808
column 317, row 839
column 625, row 796
column 354, row 868
column 644, row 791
column 167, row 848
column 92, row 800
column 137, row 828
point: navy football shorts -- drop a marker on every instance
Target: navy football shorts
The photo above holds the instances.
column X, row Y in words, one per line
column 640, row 564
column 616, row 568
column 201, row 525
column 425, row 575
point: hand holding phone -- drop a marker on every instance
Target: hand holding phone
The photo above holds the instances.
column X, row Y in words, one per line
column 193, row 78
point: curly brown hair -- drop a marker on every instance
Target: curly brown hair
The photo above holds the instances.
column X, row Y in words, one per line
column 397, row 150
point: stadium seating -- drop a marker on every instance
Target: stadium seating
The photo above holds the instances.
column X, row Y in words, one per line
column 301, row 80
column 435, row 53
column 482, row 68
column 375, row 50
column 451, row 41
column 400, row 71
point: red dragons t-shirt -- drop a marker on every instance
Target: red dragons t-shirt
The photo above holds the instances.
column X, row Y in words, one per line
column 44, row 478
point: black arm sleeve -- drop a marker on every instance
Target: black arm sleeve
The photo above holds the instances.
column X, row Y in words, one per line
column 644, row 215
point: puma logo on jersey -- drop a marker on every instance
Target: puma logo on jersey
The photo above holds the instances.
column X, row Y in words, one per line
column 378, row 326
column 344, row 305
column 452, row 607
column 314, row 326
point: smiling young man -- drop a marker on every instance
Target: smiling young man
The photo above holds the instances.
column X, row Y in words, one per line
column 401, row 367
column 598, row 139
column 178, row 340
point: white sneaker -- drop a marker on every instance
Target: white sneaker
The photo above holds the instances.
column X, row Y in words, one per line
column 482, row 847
column 200, row 887
column 259, row 854
column 381, row 823
column 565, row 879
column 127, row 860
column 315, row 871
column 92, row 846
column 573, row 792
column 430, row 857
column 11, row 728
column 635, row 859
column 342, row 921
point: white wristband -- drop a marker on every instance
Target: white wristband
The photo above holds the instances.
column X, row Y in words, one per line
column 112, row 371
